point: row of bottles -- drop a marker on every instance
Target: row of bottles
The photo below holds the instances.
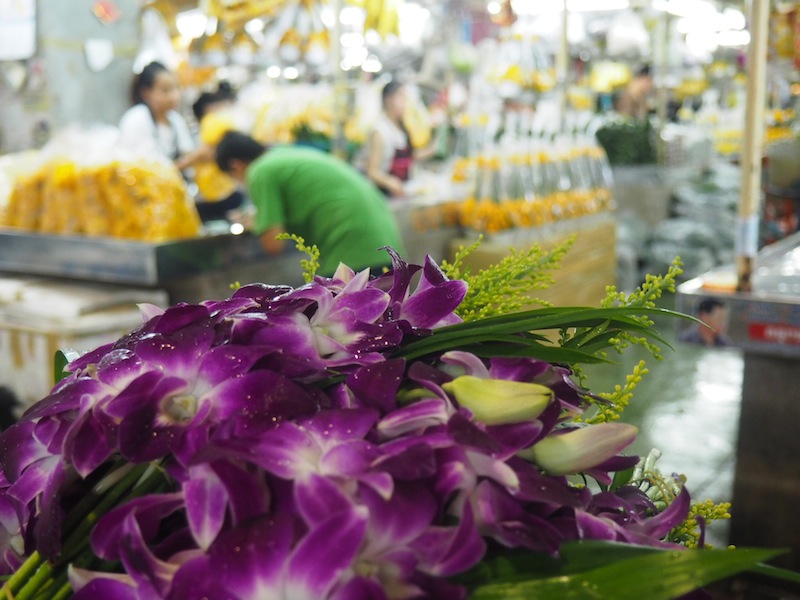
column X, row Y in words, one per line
column 519, row 182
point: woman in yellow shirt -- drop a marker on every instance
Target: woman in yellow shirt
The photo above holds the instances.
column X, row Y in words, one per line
column 217, row 192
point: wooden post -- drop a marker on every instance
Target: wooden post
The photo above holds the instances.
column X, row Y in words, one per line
column 338, row 84
column 562, row 67
column 753, row 144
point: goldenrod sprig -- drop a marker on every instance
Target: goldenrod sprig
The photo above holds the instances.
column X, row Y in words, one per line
column 645, row 296
column 309, row 265
column 509, row 285
column 688, row 532
column 618, row 400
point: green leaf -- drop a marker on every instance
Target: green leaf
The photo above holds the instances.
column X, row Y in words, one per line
column 60, row 361
column 777, row 573
column 551, row 354
column 645, row 573
column 621, row 478
column 504, row 328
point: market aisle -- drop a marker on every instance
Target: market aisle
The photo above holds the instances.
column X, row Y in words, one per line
column 688, row 407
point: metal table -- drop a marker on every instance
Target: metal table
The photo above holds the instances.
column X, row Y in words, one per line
column 188, row 270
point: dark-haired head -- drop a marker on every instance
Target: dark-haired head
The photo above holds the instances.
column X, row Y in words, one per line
column 223, row 95
column 390, row 89
column 644, row 71
column 225, row 91
column 200, row 106
column 145, row 80
column 236, row 149
column 708, row 305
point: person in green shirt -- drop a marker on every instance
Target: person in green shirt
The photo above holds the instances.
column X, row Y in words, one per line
column 310, row 193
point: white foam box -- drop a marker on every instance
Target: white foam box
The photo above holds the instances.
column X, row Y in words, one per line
column 40, row 316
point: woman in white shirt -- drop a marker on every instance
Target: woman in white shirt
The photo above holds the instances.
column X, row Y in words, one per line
column 389, row 153
column 154, row 122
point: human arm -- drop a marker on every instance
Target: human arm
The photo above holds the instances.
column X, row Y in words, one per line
column 373, row 168
column 268, row 240
column 425, row 153
column 189, row 152
column 203, row 153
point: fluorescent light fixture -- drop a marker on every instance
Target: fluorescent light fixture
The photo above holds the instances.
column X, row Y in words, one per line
column 351, row 15
column 354, row 58
column 596, row 5
column 352, row 40
column 372, row 65
column 327, row 16
column 701, row 44
column 291, row 73
column 686, row 8
column 413, row 19
column 254, row 26
column 273, row 72
column 734, row 18
column 541, row 7
column 191, row 23
column 733, row 38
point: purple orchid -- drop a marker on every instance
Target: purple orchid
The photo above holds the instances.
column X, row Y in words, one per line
column 301, row 461
column 11, row 524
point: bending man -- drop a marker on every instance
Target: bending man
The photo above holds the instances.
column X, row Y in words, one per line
column 317, row 196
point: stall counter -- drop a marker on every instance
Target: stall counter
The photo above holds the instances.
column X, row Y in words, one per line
column 766, row 327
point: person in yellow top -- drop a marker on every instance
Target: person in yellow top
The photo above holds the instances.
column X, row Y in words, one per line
column 217, row 192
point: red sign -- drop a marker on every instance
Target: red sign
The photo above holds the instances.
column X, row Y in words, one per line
column 778, row 333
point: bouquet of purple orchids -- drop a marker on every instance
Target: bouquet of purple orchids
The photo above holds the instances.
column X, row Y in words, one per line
column 348, row 439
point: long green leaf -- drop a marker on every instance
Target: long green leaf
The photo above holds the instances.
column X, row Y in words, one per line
column 543, row 319
column 507, row 329
column 655, row 576
column 491, row 344
column 584, row 336
column 552, row 354
column 565, row 314
column 777, row 573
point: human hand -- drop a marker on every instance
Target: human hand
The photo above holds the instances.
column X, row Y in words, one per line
column 246, row 217
column 395, row 187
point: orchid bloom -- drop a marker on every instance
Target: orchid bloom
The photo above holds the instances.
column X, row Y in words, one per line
column 499, row 401
column 304, row 461
column 578, row 450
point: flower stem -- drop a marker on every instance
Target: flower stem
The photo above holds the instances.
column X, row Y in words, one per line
column 35, row 574
column 18, row 579
column 65, row 591
column 33, row 585
column 79, row 538
column 58, row 587
column 93, row 496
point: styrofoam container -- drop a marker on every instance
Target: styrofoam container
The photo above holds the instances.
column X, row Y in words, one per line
column 39, row 317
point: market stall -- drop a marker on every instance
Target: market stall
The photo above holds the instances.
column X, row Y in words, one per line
column 353, row 438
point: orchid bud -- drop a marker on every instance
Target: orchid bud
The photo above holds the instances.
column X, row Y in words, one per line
column 580, row 449
column 499, row 401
